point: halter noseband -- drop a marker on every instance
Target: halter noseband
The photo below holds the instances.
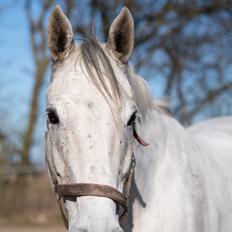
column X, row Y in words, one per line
column 98, row 190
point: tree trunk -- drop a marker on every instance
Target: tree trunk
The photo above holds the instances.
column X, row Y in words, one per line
column 29, row 132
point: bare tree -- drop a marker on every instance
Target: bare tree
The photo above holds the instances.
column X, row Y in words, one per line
column 185, row 45
column 38, row 40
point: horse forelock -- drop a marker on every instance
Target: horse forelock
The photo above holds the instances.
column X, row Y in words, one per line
column 97, row 62
column 100, row 71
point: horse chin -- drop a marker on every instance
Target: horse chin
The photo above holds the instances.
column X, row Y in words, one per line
column 93, row 214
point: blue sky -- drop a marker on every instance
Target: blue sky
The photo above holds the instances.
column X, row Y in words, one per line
column 15, row 58
column 17, row 70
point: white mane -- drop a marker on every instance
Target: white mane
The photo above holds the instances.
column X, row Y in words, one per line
column 99, row 68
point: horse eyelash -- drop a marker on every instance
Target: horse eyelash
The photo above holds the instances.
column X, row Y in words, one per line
column 132, row 118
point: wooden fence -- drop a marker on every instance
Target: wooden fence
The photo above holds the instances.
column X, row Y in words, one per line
column 25, row 194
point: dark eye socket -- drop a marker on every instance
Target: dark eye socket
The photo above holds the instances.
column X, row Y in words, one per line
column 132, row 119
column 52, row 116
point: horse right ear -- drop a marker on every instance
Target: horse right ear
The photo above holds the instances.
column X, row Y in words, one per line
column 121, row 35
column 60, row 35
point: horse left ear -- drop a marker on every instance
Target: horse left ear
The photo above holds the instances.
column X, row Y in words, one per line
column 60, row 34
column 121, row 35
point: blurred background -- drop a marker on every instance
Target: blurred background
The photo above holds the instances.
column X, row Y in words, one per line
column 183, row 48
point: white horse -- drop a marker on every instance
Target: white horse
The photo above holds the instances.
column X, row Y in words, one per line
column 101, row 115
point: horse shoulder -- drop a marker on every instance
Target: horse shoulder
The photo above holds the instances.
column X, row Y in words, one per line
column 213, row 139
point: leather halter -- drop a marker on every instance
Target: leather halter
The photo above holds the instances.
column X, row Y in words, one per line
column 89, row 189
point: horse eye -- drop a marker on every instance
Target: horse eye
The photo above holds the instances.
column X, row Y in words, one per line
column 52, row 116
column 132, row 119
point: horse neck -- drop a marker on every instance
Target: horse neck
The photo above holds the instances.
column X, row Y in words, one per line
column 166, row 160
